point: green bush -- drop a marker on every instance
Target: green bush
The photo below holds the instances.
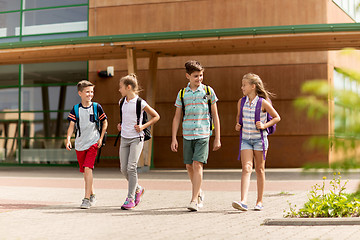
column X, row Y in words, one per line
column 335, row 203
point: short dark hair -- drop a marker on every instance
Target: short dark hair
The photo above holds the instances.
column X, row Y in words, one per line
column 193, row 66
column 83, row 84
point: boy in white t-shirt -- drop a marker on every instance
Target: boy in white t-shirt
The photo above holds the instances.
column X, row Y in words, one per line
column 88, row 138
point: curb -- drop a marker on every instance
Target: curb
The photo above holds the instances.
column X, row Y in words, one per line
column 312, row 221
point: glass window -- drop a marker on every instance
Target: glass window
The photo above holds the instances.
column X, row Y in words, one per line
column 7, row 40
column 42, row 152
column 55, row 20
column 62, row 72
column 9, row 76
column 51, row 3
column 45, row 124
column 9, row 5
column 352, row 7
column 52, row 73
column 32, row 98
column 9, row 99
column 54, row 36
column 9, row 24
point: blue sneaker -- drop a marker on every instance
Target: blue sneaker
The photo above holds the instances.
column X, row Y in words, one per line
column 258, row 207
column 239, row 206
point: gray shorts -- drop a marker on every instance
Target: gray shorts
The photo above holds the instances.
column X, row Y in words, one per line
column 196, row 150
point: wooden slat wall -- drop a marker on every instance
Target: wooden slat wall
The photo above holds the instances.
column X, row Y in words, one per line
column 283, row 73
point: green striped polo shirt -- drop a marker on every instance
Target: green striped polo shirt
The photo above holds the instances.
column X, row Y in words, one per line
column 196, row 122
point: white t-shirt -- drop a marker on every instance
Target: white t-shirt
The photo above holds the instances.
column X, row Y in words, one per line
column 89, row 133
column 129, row 118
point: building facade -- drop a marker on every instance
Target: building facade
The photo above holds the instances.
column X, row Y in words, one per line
column 36, row 97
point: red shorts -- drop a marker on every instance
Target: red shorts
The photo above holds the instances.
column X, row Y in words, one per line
column 87, row 157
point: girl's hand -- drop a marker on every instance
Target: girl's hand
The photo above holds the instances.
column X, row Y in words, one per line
column 139, row 128
column 260, row 125
column 119, row 127
column 237, row 127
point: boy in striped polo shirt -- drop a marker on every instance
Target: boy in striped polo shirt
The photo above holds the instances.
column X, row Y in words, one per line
column 194, row 102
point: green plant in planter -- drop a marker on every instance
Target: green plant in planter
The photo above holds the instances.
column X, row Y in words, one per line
column 335, row 203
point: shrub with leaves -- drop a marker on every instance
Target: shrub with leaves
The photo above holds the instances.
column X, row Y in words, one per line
column 340, row 102
column 334, row 203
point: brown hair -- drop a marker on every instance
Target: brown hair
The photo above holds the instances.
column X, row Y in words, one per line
column 193, row 66
column 260, row 89
column 132, row 81
column 83, row 84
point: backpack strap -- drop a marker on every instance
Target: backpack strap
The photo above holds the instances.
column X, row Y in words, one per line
column 243, row 100
column 182, row 92
column 208, row 93
column 77, row 129
column 138, row 110
column 118, row 136
column 96, row 116
column 257, row 118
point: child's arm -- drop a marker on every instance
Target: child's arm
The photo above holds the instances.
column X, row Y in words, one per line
column 154, row 118
column 215, row 116
column 238, row 126
column 69, row 134
column 174, row 129
column 103, row 131
column 271, row 110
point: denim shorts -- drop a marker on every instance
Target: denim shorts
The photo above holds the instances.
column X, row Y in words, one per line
column 254, row 144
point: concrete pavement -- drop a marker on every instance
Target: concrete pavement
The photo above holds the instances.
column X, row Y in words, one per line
column 43, row 203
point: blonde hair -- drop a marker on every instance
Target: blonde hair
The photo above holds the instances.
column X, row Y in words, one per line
column 132, row 81
column 260, row 89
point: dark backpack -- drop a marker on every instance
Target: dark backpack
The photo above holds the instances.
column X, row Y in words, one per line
column 97, row 121
column 208, row 94
column 147, row 133
column 270, row 130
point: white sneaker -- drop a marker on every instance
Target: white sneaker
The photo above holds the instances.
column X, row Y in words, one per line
column 193, row 206
column 201, row 198
column 92, row 199
column 85, row 204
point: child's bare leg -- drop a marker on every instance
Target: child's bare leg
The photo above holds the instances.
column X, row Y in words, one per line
column 190, row 171
column 260, row 175
column 197, row 180
column 247, row 165
column 195, row 172
column 88, row 177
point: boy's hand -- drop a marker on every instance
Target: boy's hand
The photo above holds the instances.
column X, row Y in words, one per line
column 139, row 128
column 216, row 145
column 99, row 143
column 174, row 145
column 68, row 146
column 260, row 125
column 237, row 127
column 119, row 127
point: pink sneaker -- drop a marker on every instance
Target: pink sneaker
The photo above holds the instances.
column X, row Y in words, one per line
column 138, row 195
column 128, row 204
